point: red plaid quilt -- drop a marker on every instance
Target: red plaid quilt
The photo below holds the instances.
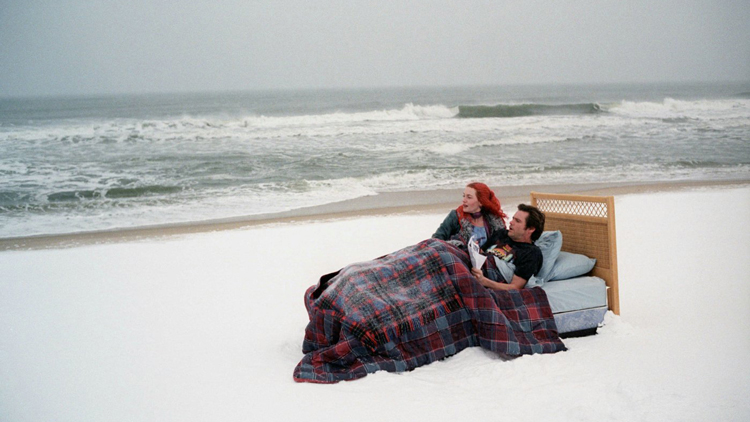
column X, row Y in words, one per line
column 413, row 307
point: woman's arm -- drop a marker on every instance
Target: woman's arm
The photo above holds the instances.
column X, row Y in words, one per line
column 448, row 227
column 516, row 283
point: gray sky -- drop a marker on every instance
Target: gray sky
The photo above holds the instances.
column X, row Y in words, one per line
column 53, row 47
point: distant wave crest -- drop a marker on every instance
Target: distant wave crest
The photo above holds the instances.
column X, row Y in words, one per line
column 679, row 111
column 522, row 110
column 77, row 195
column 410, row 111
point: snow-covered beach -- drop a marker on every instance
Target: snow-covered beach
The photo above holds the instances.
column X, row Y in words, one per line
column 173, row 180
column 209, row 326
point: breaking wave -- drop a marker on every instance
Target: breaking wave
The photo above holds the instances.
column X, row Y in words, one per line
column 523, row 110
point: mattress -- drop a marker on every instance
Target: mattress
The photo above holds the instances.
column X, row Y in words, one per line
column 578, row 304
column 575, row 294
column 583, row 320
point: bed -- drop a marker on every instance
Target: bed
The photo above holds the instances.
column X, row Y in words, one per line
column 587, row 228
column 421, row 304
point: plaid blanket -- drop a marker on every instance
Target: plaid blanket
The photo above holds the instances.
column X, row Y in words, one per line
column 413, row 307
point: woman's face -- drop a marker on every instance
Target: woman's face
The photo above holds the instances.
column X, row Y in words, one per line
column 470, row 201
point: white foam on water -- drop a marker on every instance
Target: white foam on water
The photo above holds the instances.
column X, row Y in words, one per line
column 234, row 166
column 671, row 108
column 233, row 202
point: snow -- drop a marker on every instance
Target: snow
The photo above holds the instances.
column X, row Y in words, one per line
column 210, row 326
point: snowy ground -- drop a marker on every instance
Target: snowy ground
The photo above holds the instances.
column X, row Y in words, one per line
column 209, row 327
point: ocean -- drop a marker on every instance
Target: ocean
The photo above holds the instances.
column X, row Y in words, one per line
column 101, row 163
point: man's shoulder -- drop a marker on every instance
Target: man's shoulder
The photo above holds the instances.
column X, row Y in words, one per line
column 529, row 248
column 501, row 234
column 534, row 247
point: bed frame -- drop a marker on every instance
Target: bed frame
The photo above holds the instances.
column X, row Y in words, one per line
column 588, row 227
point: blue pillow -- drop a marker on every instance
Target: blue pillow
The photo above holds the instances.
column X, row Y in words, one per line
column 570, row 265
column 550, row 244
column 533, row 282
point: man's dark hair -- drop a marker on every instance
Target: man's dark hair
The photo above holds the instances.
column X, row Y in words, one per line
column 535, row 220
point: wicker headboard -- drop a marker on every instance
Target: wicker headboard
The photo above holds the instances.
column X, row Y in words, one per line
column 588, row 227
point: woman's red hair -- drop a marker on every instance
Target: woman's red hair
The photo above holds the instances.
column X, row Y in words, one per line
column 487, row 198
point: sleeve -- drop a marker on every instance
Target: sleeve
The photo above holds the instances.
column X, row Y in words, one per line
column 500, row 236
column 528, row 262
column 448, row 227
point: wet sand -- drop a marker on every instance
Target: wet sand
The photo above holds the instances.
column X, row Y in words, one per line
column 420, row 202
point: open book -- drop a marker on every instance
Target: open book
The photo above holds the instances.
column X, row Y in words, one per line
column 477, row 259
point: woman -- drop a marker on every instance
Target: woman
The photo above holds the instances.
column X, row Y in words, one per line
column 479, row 215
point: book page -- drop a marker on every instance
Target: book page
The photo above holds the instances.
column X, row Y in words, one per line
column 477, row 259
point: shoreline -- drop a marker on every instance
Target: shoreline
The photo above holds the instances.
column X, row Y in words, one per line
column 389, row 203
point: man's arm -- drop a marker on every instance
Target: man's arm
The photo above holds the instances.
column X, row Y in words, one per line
column 516, row 283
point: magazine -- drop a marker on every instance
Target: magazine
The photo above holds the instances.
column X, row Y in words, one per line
column 475, row 253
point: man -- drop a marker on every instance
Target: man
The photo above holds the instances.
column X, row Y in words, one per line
column 516, row 245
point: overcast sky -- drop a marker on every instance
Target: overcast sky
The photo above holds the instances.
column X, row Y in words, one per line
column 53, row 47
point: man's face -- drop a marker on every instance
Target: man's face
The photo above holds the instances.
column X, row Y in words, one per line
column 518, row 230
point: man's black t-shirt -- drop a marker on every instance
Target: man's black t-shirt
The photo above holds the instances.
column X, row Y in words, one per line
column 527, row 257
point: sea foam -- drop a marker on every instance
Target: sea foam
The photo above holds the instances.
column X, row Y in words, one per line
column 96, row 169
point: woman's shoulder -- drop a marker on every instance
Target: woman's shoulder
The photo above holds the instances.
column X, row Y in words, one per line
column 495, row 222
column 448, row 227
column 452, row 215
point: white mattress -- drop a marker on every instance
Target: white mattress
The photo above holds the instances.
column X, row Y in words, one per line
column 576, row 294
column 568, row 322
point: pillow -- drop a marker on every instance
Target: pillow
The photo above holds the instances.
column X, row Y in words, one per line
column 533, row 282
column 550, row 244
column 570, row 265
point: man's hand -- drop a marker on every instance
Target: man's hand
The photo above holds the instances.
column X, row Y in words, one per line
column 515, row 284
column 484, row 281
